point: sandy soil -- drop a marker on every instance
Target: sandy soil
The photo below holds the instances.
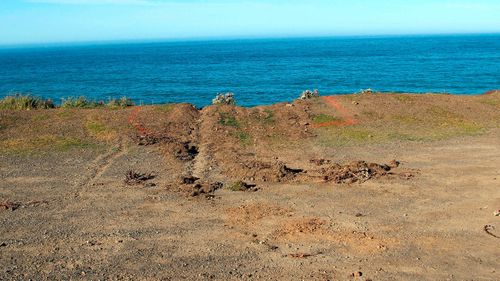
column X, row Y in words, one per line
column 67, row 213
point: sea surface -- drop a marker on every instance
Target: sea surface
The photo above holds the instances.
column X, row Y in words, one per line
column 258, row 71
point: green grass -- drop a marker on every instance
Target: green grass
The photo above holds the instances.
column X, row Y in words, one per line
column 43, row 144
column 491, row 102
column 120, row 103
column 24, row 102
column 65, row 114
column 95, row 127
column 403, row 98
column 243, row 137
column 349, row 135
column 80, row 102
column 236, row 186
column 228, row 120
column 41, row 117
column 324, row 118
column 83, row 102
column 269, row 118
column 165, row 107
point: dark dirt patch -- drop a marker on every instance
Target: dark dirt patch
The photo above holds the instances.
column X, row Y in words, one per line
column 9, row 205
column 320, row 162
column 359, row 171
column 242, row 186
column 193, row 186
column 186, row 151
column 152, row 139
column 134, row 178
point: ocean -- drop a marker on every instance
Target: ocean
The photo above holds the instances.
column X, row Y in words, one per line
column 258, row 71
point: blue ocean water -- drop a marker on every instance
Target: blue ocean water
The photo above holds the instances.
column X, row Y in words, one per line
column 260, row 71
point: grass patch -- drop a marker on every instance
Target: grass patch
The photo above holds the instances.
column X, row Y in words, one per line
column 95, row 127
column 41, row 117
column 269, row 118
column 83, row 102
column 237, row 186
column 65, row 114
column 80, row 102
column 404, row 98
column 120, row 103
column 165, row 107
column 491, row 102
column 324, row 118
column 438, row 132
column 25, row 102
column 43, row 144
column 243, row 137
column 408, row 119
column 343, row 136
column 228, row 120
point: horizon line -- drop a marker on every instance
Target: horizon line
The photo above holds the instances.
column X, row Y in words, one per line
column 230, row 38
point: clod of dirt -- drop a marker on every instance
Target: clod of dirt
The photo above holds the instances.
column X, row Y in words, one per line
column 8, row 205
column 151, row 139
column 189, row 180
column 359, row 171
column 242, row 186
column 300, row 255
column 267, row 171
column 357, row 274
column 394, row 164
column 187, row 152
column 133, row 177
column 489, row 230
column 205, row 188
column 320, row 162
column 285, row 171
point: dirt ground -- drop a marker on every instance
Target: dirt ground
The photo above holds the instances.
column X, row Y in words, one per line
column 356, row 187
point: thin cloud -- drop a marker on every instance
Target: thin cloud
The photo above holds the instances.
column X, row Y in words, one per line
column 96, row 2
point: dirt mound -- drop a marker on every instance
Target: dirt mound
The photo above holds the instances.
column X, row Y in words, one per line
column 359, row 171
column 193, row 186
column 260, row 171
column 135, row 178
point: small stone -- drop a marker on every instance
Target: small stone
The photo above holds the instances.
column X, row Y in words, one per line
column 357, row 274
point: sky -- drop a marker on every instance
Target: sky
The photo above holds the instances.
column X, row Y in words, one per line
column 53, row 21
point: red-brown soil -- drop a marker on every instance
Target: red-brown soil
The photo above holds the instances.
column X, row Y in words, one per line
column 370, row 187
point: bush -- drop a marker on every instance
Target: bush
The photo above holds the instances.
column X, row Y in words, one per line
column 80, row 102
column 25, row 102
column 227, row 98
column 121, row 102
column 366, row 91
column 308, row 94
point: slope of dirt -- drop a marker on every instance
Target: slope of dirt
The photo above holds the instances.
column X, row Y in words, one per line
column 355, row 187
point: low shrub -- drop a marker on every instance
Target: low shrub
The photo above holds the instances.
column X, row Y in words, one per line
column 227, row 98
column 308, row 94
column 121, row 102
column 25, row 102
column 80, row 102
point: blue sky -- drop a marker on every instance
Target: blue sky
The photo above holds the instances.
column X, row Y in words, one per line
column 48, row 21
